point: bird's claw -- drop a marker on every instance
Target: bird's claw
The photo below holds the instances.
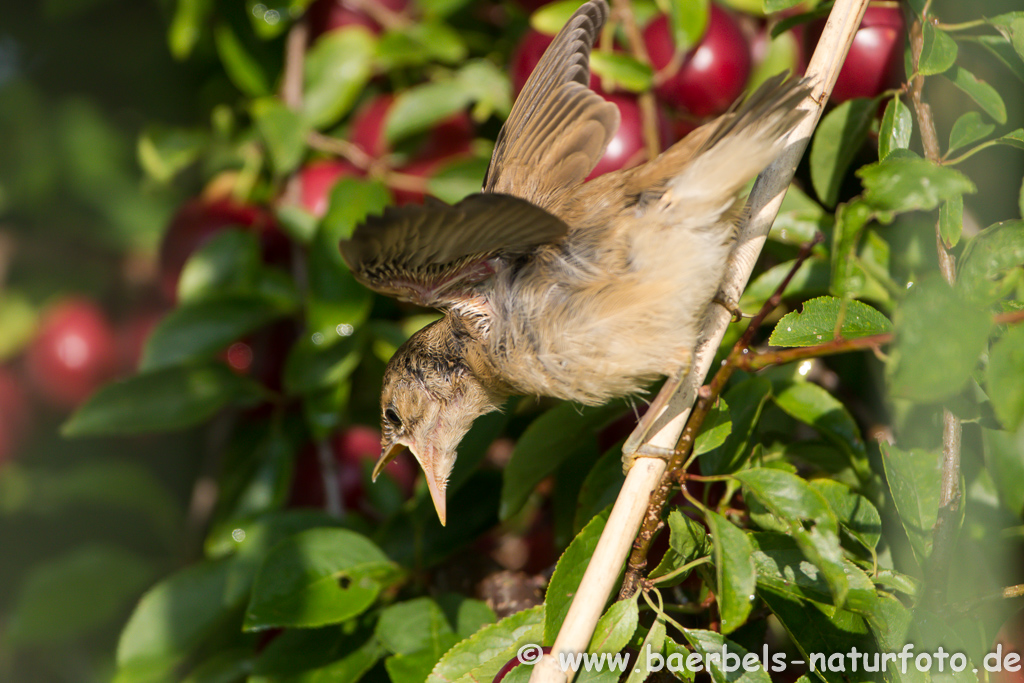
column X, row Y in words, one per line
column 646, row 451
column 730, row 305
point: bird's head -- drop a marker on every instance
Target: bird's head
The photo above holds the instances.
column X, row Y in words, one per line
column 429, row 401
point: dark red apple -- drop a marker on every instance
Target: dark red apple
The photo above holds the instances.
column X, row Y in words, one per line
column 73, row 353
column 367, row 127
column 527, row 54
column 328, row 15
column 515, row 661
column 197, row 220
column 316, row 181
column 14, row 413
column 627, row 147
column 712, row 75
column 1009, row 642
column 875, row 61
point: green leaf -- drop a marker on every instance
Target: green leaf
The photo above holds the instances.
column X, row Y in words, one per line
column 847, row 276
column 783, row 54
column 242, row 68
column 1004, row 457
column 407, row 627
column 615, row 628
column 600, row 488
column 176, row 615
column 623, row 70
column 226, row 666
column 421, row 107
column 74, row 594
column 1011, row 25
column 186, row 27
column 710, row 646
column 481, row 656
column 688, row 20
column 790, row 499
column 981, row 92
column 856, row 514
column 325, row 654
column 999, row 48
column 967, row 129
column 335, row 297
column 735, row 576
column 200, row 329
column 318, row 577
column 550, row 18
column 489, row 87
column 811, row 279
column 951, row 220
column 18, row 320
column 990, row 260
column 311, row 367
column 896, row 128
column 440, row 8
column 938, row 51
column 911, row 184
column 283, row 131
column 1003, row 378
column 715, row 429
column 915, row 479
column 772, row 6
column 338, row 67
column 745, row 401
column 823, row 317
column 654, row 641
column 688, row 538
column 228, row 262
column 550, row 440
column 813, row 405
column 939, row 338
column 1012, row 139
column 781, row 567
column 458, row 179
column 568, row 573
column 164, row 400
column 165, row 152
column 840, row 134
column 420, row 43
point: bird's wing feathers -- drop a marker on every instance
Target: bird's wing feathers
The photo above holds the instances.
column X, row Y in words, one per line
column 433, row 254
column 559, row 127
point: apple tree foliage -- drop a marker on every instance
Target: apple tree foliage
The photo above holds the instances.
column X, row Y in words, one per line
column 819, row 517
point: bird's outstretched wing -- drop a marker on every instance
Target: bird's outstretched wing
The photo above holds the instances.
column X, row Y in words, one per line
column 558, row 128
column 433, row 254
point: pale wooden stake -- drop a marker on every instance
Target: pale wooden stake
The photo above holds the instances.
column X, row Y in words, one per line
column 602, row 573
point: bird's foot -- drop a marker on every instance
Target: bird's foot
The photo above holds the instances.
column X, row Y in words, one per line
column 730, row 305
column 646, row 451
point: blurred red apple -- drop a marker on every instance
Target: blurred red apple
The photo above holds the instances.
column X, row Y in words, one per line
column 527, row 54
column 262, row 355
column 316, row 181
column 197, row 220
column 875, row 61
column 712, row 75
column 328, row 15
column 14, row 413
column 73, row 353
column 627, row 147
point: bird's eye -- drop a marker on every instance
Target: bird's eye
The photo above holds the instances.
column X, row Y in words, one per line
column 392, row 417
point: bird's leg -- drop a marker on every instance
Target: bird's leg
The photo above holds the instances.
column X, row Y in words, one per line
column 635, row 447
column 729, row 304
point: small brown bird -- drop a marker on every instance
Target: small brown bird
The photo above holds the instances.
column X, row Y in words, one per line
column 552, row 286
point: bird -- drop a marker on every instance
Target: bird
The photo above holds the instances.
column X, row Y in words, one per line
column 551, row 284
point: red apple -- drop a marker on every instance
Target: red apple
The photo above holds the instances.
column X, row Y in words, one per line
column 1010, row 639
column 875, row 61
column 198, row 219
column 73, row 353
column 527, row 54
column 14, row 413
column 316, row 181
column 627, row 147
column 712, row 75
column 367, row 127
column 328, row 15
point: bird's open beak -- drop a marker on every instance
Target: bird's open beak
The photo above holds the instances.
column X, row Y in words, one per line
column 435, row 487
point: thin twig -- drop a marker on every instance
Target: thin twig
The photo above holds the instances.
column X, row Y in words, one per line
column 946, row 526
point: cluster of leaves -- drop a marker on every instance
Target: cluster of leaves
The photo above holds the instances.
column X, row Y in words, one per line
column 799, row 516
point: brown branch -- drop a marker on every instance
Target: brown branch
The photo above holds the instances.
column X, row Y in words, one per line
column 348, row 151
column 946, row 528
